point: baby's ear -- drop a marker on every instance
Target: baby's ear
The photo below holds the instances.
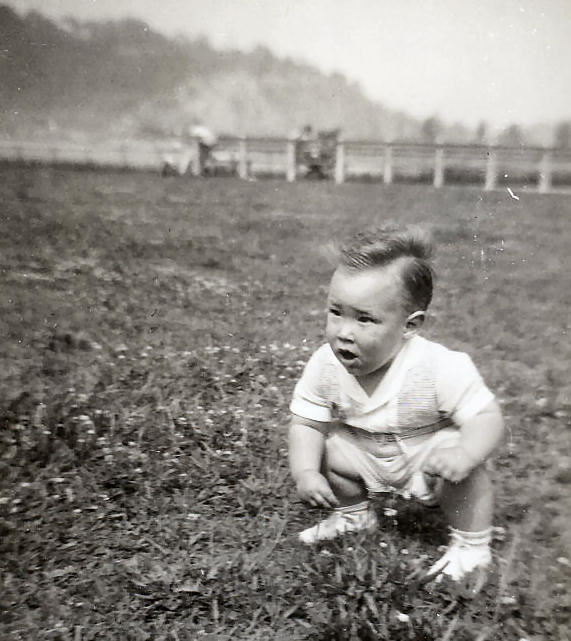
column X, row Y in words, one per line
column 413, row 323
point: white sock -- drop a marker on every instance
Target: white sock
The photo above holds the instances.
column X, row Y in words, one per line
column 355, row 508
column 472, row 539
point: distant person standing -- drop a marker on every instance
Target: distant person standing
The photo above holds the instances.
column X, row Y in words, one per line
column 306, row 149
column 206, row 142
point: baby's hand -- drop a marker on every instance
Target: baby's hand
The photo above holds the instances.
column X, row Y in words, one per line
column 314, row 488
column 451, row 463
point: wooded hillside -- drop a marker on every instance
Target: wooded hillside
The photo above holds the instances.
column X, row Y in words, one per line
column 83, row 80
column 121, row 79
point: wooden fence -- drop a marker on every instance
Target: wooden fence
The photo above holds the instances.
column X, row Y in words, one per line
column 540, row 169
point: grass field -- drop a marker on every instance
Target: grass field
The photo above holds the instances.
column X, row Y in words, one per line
column 152, row 330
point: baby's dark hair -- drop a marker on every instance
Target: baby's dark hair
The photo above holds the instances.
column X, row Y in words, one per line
column 380, row 247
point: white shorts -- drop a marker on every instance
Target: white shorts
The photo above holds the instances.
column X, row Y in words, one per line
column 378, row 460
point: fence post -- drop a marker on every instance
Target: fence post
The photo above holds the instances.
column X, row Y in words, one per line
column 388, row 165
column 290, row 161
column 545, row 173
column 196, row 160
column 438, row 179
column 491, row 171
column 243, row 158
column 340, row 162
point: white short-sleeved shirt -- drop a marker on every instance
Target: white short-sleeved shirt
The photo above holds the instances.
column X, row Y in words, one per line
column 427, row 387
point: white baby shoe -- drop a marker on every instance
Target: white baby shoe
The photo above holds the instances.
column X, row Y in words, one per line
column 343, row 520
column 468, row 551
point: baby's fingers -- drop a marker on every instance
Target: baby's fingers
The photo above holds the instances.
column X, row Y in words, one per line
column 320, row 501
column 326, row 498
column 447, row 472
column 440, row 466
column 331, row 499
column 433, row 465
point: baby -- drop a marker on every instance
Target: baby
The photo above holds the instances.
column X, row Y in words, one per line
column 378, row 408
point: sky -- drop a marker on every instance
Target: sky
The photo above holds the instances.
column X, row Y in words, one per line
column 501, row 61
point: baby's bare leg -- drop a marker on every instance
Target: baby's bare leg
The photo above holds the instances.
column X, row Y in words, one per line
column 345, row 482
column 469, row 505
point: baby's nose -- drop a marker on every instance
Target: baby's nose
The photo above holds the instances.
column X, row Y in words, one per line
column 345, row 332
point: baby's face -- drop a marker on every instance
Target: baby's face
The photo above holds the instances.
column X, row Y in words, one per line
column 366, row 319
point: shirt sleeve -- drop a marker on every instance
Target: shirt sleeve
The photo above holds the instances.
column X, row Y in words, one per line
column 461, row 390
column 309, row 396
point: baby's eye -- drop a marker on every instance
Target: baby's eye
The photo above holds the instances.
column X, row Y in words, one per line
column 334, row 311
column 366, row 319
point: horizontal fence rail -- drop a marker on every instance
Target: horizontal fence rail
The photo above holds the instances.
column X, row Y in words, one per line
column 492, row 167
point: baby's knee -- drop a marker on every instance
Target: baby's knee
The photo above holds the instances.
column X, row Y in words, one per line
column 337, row 462
column 478, row 481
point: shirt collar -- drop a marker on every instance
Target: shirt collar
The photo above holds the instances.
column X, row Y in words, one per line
column 392, row 381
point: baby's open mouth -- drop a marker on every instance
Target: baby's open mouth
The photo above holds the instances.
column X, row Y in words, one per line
column 346, row 355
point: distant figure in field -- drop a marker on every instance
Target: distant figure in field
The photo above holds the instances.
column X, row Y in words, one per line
column 315, row 153
column 206, row 143
column 306, row 149
column 380, row 409
column 179, row 153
